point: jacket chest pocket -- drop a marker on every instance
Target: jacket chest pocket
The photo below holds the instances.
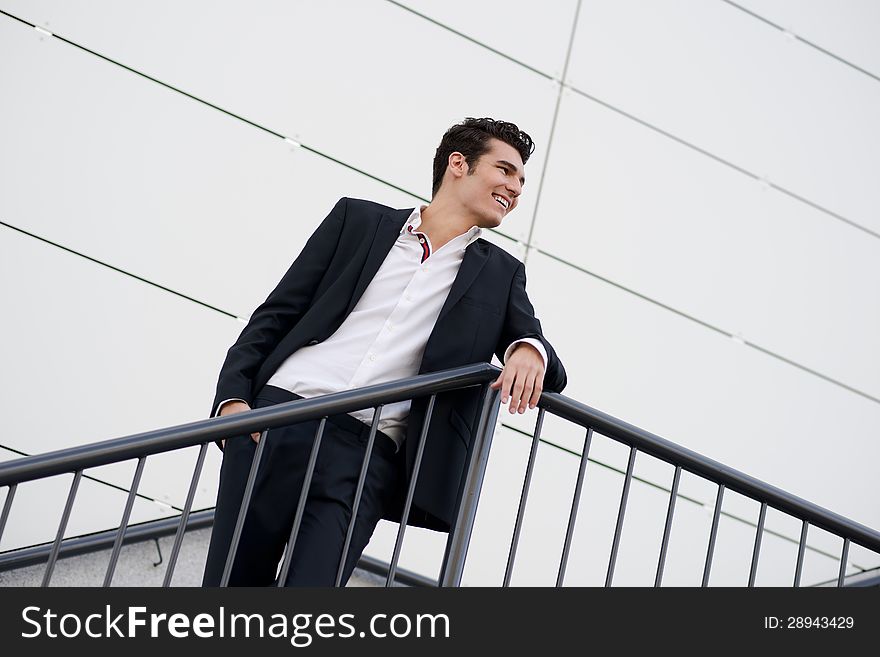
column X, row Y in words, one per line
column 485, row 306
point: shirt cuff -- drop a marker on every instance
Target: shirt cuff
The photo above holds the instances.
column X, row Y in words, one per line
column 225, row 401
column 532, row 341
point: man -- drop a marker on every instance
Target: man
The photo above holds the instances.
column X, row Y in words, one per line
column 377, row 295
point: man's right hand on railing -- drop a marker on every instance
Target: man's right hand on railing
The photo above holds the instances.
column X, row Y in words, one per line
column 236, row 407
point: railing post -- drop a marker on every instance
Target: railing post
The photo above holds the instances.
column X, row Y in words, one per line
column 478, row 457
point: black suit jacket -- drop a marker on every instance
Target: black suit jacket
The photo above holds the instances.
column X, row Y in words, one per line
column 487, row 308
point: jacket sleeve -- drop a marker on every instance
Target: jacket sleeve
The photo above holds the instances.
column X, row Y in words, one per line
column 520, row 322
column 280, row 312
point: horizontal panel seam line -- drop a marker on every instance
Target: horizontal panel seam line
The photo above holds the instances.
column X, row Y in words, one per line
column 97, row 480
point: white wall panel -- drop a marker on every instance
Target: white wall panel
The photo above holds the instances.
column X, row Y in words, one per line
column 91, row 354
column 717, row 77
column 709, row 393
column 535, row 34
column 109, row 163
column 378, row 99
column 116, row 167
column 663, row 220
column 846, row 28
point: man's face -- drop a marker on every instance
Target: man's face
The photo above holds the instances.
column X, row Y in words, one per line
column 492, row 189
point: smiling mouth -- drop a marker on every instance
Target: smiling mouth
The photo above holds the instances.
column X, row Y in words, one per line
column 501, row 201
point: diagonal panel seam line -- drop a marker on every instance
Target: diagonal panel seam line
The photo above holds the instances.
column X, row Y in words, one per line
column 147, row 281
column 687, row 498
column 117, row 269
column 824, row 51
column 525, row 65
column 361, row 171
column 804, row 368
column 213, row 106
column 712, row 327
column 472, row 40
column 97, row 480
column 148, row 77
column 632, row 117
column 727, row 163
column 543, row 176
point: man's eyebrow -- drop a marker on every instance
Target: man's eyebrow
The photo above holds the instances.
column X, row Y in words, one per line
column 522, row 179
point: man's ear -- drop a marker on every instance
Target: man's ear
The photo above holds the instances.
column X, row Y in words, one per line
column 458, row 165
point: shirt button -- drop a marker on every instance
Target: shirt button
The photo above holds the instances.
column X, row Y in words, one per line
column 390, row 326
column 372, row 356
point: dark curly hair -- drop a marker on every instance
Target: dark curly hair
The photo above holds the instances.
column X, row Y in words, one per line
column 471, row 139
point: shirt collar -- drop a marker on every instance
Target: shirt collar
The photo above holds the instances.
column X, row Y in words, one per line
column 415, row 219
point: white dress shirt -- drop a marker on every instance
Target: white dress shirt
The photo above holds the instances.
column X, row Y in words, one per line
column 384, row 336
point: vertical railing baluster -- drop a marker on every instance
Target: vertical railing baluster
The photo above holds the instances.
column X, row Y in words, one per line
column 7, row 505
column 759, row 534
column 575, row 503
column 620, row 515
column 362, row 478
column 410, row 492
column 242, row 511
column 184, row 517
column 56, row 546
column 470, row 486
column 301, row 506
column 841, row 574
column 800, row 558
column 667, row 529
column 523, row 497
column 712, row 535
column 123, row 524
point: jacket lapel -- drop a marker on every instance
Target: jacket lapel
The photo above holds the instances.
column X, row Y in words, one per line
column 386, row 234
column 475, row 257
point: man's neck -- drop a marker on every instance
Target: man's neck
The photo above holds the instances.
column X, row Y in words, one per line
column 443, row 222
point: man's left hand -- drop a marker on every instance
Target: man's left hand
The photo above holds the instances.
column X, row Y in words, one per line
column 522, row 379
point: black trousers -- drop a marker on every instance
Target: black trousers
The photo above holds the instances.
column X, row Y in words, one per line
column 318, row 546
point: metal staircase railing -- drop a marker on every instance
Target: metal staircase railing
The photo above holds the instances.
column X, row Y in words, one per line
column 140, row 446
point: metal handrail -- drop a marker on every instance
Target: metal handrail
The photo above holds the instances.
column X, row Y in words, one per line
column 180, row 436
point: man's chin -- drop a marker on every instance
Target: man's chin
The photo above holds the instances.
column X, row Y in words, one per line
column 494, row 220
